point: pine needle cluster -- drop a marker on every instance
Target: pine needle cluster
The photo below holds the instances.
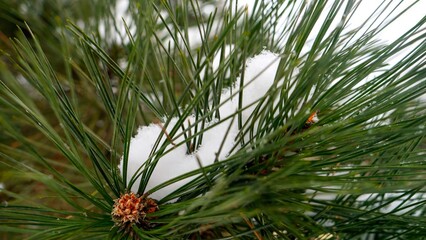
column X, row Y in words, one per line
column 334, row 149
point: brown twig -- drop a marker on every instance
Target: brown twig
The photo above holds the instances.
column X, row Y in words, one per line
column 258, row 236
column 165, row 133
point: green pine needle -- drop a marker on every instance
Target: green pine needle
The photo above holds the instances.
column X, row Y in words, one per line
column 358, row 173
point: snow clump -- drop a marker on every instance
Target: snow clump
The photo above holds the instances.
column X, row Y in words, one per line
column 217, row 142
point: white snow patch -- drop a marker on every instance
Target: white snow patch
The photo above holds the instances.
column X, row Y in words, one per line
column 177, row 161
column 400, row 205
column 259, row 78
column 208, row 9
column 118, row 32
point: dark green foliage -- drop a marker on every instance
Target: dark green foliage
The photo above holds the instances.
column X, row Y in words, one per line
column 359, row 172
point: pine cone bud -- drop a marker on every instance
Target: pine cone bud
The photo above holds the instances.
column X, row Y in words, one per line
column 130, row 209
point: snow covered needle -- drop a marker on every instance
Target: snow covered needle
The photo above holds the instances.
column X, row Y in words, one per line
column 130, row 209
column 218, row 140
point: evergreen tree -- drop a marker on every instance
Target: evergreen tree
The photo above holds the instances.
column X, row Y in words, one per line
column 211, row 120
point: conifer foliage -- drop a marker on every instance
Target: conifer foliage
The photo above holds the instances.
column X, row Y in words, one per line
column 211, row 120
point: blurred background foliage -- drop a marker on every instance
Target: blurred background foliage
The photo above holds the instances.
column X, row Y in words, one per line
column 47, row 19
